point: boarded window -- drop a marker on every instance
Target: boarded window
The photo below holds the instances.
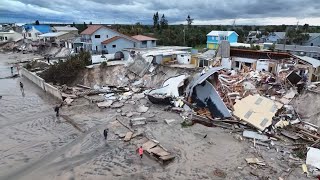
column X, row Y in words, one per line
column 264, row 122
column 274, row 108
column 258, row 101
column 248, row 114
column 96, row 36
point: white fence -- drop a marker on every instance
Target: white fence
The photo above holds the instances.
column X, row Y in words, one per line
column 41, row 83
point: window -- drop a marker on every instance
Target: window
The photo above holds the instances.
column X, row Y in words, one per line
column 237, row 64
column 144, row 42
column 97, row 36
column 182, row 55
column 107, row 36
column 29, row 34
column 311, row 44
column 5, row 38
column 247, row 64
column 114, row 46
column 105, row 46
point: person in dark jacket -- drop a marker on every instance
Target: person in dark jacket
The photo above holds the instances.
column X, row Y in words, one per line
column 105, row 133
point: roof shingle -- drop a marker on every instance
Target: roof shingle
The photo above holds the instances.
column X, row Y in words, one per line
column 143, row 38
column 114, row 39
column 91, row 29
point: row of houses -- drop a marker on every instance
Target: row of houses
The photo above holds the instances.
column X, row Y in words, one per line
column 279, row 37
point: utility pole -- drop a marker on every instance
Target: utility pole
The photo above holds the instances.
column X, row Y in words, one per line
column 184, row 35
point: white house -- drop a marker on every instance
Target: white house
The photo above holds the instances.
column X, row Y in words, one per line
column 94, row 35
column 10, row 35
column 145, row 41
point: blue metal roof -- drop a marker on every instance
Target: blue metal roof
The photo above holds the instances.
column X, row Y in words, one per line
column 41, row 28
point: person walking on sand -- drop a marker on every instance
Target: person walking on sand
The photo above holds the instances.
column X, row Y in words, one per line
column 56, row 109
column 140, row 151
column 21, row 87
column 11, row 70
column 105, row 133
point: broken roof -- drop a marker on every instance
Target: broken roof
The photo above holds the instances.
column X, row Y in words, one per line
column 53, row 34
column 143, row 38
column 64, row 28
column 256, row 110
column 114, row 39
column 314, row 62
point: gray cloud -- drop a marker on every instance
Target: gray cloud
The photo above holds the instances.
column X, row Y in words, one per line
column 130, row 11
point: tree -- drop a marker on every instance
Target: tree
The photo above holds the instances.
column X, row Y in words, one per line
column 163, row 22
column 37, row 22
column 90, row 23
column 296, row 36
column 156, row 20
column 189, row 20
column 73, row 24
column 306, row 27
column 85, row 25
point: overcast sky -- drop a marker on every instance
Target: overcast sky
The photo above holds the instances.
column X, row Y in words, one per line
column 258, row 12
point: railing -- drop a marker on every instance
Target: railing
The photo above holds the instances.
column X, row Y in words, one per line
column 86, row 40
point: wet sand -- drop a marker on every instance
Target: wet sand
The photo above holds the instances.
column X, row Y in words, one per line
column 37, row 145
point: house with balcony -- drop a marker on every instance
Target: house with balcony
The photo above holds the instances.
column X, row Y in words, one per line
column 214, row 38
column 145, row 41
column 101, row 39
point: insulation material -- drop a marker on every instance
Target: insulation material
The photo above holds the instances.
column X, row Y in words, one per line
column 313, row 157
column 170, row 86
column 206, row 96
column 256, row 110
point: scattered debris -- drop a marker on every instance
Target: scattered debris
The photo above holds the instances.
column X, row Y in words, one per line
column 169, row 121
column 138, row 121
column 142, row 109
column 105, row 104
column 219, row 173
column 255, row 161
column 255, row 135
column 128, row 136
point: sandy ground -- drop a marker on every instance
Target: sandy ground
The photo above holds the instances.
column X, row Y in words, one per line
column 37, row 145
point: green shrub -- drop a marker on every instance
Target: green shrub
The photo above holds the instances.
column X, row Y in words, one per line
column 28, row 66
column 66, row 72
column 103, row 64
